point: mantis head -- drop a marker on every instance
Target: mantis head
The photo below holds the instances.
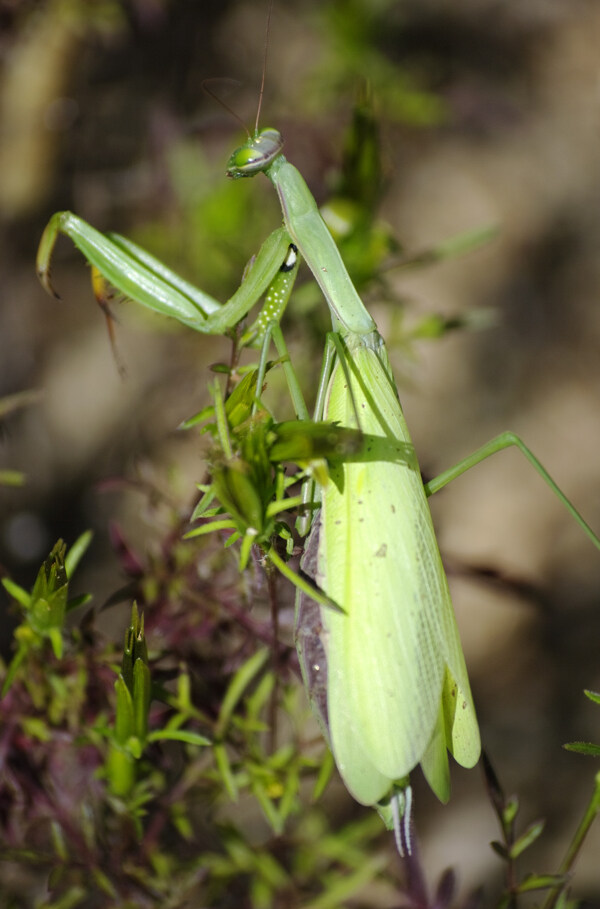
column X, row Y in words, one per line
column 255, row 155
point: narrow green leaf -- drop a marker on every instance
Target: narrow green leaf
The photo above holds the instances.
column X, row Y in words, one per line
column 141, row 698
column 37, row 728
column 58, row 841
column 242, row 678
column 248, row 541
column 510, row 811
column 235, row 486
column 325, row 772
column 224, row 768
column 238, row 406
column 201, row 508
column 261, row 893
column 542, row 882
column 339, row 888
column 583, row 748
column 77, row 550
column 124, row 720
column 269, row 809
column 184, row 693
column 592, row 695
column 526, row 839
column 209, row 528
column 500, row 849
column 120, row 771
column 231, row 539
column 259, row 697
column 178, row 735
column 288, row 801
column 14, row 668
column 304, row 584
column 200, row 417
column 221, row 419
column 21, row 596
column 183, row 825
column 104, row 883
column 134, row 747
column 80, row 600
column 288, row 504
column 56, row 641
column 271, row 870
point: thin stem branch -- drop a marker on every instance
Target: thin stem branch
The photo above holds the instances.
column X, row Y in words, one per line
column 593, row 808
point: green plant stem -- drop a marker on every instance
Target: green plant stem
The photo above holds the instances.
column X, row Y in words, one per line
column 275, row 658
column 292, row 380
column 576, row 843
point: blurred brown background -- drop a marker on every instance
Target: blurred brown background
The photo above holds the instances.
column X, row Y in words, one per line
column 102, row 111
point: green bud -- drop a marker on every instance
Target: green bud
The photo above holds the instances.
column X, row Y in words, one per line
column 237, row 493
column 49, row 595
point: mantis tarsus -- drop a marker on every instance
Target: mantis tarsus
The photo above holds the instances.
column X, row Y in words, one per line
column 397, row 688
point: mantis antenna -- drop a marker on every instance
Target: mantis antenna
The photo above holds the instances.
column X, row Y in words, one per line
column 264, row 67
column 209, row 91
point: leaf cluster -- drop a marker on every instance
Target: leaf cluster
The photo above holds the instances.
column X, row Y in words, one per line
column 104, row 786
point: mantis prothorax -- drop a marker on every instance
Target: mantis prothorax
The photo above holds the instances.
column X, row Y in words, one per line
column 397, row 690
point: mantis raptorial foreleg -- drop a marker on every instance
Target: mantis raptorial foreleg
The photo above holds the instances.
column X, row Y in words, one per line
column 139, row 276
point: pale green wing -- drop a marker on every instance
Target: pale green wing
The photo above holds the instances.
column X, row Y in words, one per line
column 387, row 657
column 462, row 729
column 434, row 762
column 312, row 643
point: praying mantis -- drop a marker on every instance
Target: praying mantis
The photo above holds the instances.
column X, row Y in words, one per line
column 396, row 692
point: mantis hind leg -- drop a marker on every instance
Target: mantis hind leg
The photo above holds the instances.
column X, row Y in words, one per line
column 507, row 440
